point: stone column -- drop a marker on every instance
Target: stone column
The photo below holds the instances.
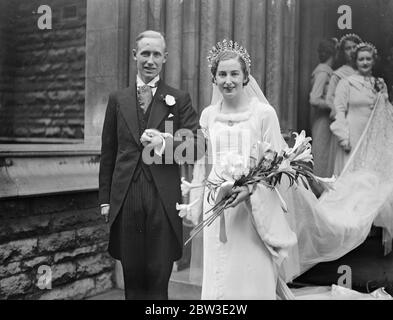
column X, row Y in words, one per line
column 174, row 42
column 107, row 56
column 190, row 53
column 281, row 59
column 207, row 38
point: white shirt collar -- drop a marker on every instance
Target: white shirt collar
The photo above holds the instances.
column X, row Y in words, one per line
column 152, row 83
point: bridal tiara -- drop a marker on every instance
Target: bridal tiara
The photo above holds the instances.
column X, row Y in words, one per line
column 367, row 45
column 349, row 35
column 228, row 46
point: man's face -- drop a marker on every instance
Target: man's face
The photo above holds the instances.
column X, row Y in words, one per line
column 150, row 55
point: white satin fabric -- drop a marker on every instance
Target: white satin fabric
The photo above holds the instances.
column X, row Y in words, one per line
column 258, row 235
column 326, row 228
column 338, row 222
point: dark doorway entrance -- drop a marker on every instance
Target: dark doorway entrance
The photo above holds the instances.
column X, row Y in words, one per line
column 371, row 20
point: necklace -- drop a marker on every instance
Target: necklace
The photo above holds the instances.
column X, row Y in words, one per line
column 232, row 117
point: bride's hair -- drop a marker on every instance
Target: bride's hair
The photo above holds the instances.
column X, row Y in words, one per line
column 227, row 55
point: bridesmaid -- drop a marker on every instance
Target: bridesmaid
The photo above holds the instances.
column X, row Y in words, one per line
column 346, row 48
column 354, row 101
column 320, row 111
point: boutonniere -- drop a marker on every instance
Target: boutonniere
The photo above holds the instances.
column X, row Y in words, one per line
column 169, row 100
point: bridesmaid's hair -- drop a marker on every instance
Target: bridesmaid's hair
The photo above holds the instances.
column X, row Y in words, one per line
column 341, row 53
column 227, row 55
column 326, row 49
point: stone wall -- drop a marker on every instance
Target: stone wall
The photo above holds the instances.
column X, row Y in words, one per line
column 64, row 232
column 46, row 71
column 6, row 42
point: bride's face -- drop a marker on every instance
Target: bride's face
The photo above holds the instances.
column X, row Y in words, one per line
column 230, row 78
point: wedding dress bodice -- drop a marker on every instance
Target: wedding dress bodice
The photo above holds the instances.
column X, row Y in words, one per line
column 235, row 135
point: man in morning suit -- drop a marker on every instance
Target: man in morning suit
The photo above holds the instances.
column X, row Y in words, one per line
column 139, row 198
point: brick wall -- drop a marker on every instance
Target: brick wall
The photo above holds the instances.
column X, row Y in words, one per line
column 46, row 71
column 64, row 232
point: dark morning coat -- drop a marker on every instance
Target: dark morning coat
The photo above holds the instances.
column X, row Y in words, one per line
column 121, row 150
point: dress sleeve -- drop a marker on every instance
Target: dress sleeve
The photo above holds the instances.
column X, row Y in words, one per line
column 271, row 131
column 340, row 126
column 264, row 203
column 203, row 121
column 270, row 222
column 199, row 175
column 317, row 98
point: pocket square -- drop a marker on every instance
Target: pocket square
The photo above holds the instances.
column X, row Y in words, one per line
column 170, row 115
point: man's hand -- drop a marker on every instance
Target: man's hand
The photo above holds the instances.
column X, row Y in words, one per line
column 239, row 194
column 151, row 137
column 105, row 212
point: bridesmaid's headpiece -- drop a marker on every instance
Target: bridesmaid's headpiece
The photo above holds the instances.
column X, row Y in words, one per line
column 367, row 45
column 228, row 46
column 349, row 36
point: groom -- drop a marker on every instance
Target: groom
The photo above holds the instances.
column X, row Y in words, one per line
column 136, row 196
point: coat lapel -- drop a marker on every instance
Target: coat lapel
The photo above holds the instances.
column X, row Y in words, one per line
column 159, row 109
column 128, row 109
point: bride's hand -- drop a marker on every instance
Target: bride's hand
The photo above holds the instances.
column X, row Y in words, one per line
column 239, row 194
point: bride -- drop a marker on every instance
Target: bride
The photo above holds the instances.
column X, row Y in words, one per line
column 242, row 249
column 254, row 247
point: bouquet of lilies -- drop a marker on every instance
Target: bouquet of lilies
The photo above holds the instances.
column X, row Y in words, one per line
column 267, row 167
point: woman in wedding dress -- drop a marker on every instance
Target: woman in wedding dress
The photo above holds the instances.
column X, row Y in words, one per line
column 242, row 249
column 255, row 248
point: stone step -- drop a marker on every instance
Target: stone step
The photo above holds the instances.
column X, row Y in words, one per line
column 113, row 294
column 367, row 266
column 370, row 270
column 180, row 288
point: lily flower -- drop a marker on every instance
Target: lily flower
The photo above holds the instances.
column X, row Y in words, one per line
column 185, row 209
column 305, row 156
column 301, row 143
column 185, row 187
column 234, row 166
column 262, row 148
column 285, row 165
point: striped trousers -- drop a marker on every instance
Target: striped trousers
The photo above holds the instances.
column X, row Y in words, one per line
column 147, row 242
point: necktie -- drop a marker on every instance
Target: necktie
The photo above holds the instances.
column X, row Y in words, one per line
column 145, row 96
